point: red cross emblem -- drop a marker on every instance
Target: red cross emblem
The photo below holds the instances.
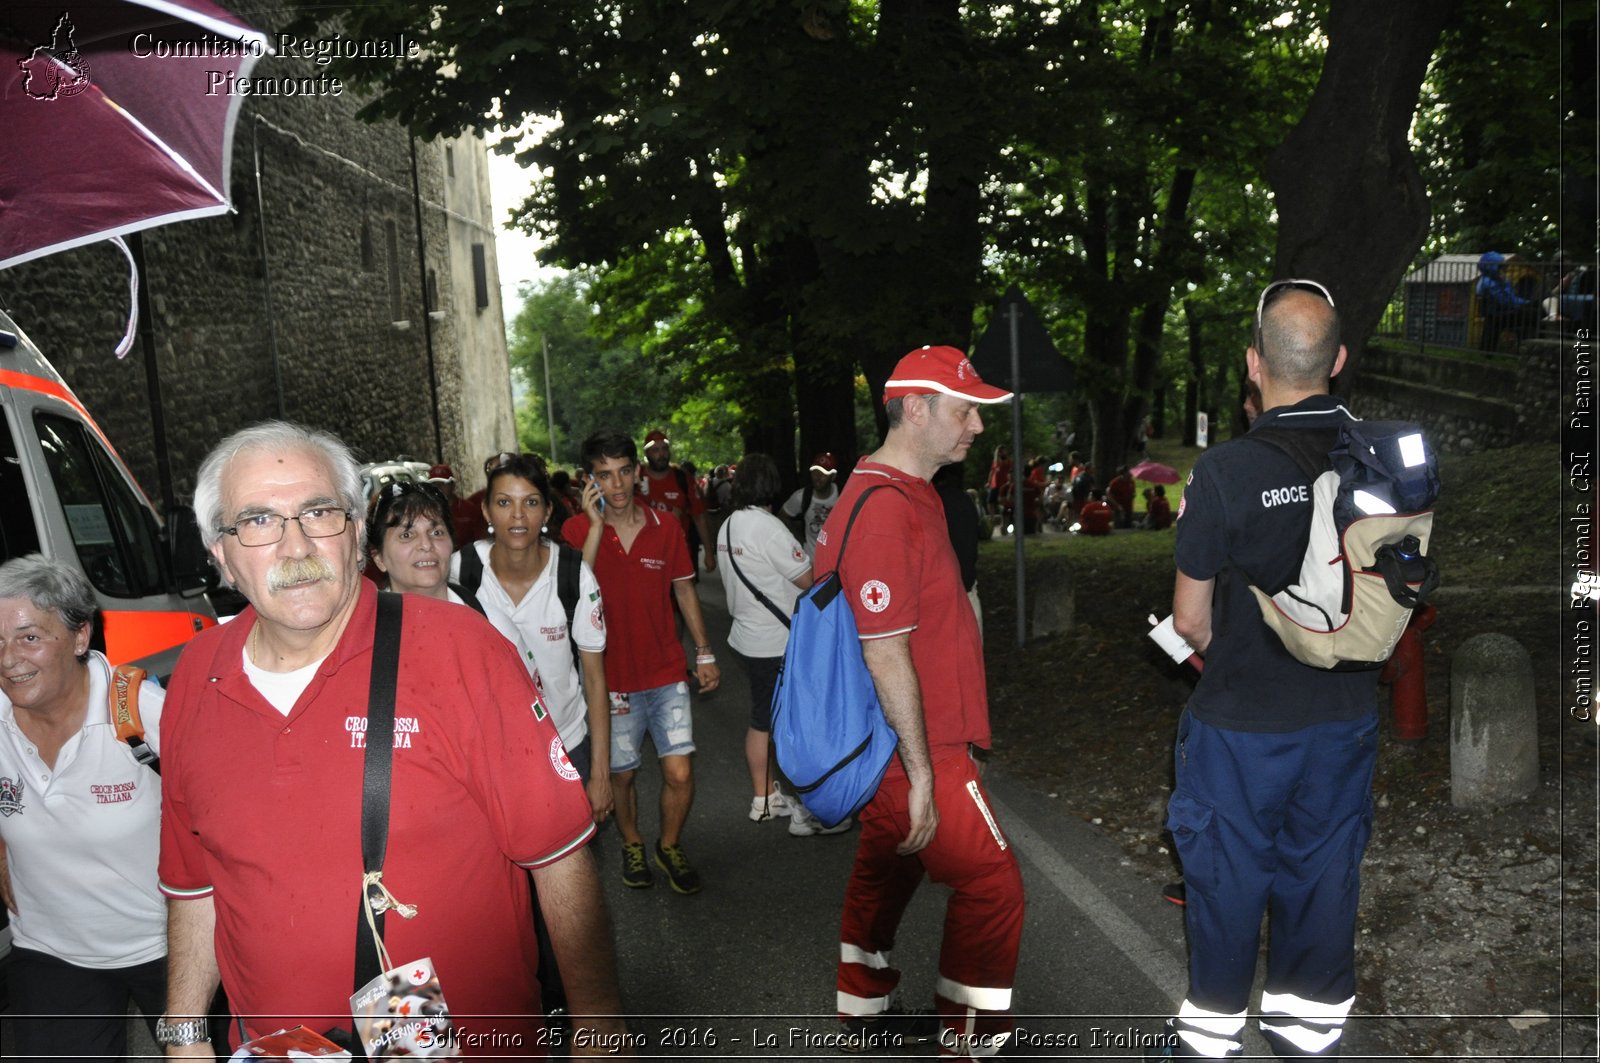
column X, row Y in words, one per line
column 875, row 595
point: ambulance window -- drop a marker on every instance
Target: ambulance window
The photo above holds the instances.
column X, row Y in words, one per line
column 113, row 531
column 18, row 536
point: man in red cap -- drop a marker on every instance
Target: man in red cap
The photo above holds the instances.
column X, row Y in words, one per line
column 921, row 643
column 665, row 487
column 808, row 508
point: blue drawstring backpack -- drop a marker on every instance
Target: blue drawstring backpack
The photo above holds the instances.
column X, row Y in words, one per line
column 828, row 729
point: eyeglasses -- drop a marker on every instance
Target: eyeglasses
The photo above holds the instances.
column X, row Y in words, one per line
column 264, row 529
column 1292, row 284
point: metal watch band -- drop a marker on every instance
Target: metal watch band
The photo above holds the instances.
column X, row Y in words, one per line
column 179, row 1034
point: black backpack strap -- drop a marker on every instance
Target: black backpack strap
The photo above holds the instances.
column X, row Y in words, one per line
column 1307, row 448
column 471, row 574
column 762, row 598
column 377, row 767
column 855, row 511
column 468, row 598
column 569, row 566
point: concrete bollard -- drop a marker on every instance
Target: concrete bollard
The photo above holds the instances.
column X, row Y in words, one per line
column 1494, row 732
column 1050, row 593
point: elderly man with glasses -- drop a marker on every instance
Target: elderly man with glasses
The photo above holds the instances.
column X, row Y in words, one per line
column 262, row 815
column 1273, row 804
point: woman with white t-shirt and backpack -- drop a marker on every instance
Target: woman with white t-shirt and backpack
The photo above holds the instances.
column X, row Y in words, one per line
column 763, row 572
column 517, row 576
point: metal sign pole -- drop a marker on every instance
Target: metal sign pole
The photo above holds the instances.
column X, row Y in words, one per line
column 1014, row 312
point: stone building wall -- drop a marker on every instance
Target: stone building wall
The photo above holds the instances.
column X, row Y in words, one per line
column 317, row 316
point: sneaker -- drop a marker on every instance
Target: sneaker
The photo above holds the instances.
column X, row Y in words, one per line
column 775, row 805
column 1164, row 1045
column 635, row 871
column 802, row 824
column 680, row 875
column 1176, row 893
column 888, row 1031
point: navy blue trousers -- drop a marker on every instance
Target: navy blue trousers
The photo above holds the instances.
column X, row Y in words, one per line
column 1276, row 824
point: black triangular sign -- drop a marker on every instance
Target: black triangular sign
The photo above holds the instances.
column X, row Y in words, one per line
column 1043, row 368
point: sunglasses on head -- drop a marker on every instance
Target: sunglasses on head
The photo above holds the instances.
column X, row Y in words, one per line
column 1277, row 288
column 499, row 461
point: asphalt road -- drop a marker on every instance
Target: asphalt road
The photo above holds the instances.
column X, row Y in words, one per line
column 746, row 967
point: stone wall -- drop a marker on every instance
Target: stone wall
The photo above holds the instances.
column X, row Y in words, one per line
column 317, row 316
column 1470, row 403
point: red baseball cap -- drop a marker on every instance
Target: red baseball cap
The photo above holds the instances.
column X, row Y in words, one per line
column 824, row 463
column 441, row 474
column 941, row 371
column 657, row 438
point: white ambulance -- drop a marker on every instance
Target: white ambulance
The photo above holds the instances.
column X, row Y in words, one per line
column 65, row 493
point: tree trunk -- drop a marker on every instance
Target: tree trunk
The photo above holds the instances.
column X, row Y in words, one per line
column 1352, row 210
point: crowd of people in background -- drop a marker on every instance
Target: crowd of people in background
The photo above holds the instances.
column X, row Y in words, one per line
column 1068, row 496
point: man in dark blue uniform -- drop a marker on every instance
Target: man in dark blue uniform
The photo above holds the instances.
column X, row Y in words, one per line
column 1273, row 806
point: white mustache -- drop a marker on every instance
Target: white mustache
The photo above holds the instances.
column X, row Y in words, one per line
column 292, row 571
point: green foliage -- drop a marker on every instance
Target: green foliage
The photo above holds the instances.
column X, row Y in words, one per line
column 600, row 378
column 776, row 198
column 1489, row 130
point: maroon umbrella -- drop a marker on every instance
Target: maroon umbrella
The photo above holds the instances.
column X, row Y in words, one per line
column 1154, row 472
column 112, row 120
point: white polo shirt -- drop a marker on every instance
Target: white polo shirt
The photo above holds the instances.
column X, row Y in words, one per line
column 537, row 626
column 82, row 838
column 768, row 556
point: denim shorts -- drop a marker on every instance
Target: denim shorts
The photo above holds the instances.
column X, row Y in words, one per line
column 663, row 711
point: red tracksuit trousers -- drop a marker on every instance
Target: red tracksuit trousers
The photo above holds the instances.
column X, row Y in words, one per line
column 982, row 924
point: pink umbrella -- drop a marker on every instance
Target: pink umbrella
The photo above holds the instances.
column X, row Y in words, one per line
column 112, row 121
column 1154, row 472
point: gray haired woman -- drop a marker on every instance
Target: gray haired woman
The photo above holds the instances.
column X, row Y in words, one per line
column 80, row 821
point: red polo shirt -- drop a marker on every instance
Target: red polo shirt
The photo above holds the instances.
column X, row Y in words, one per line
column 263, row 813
column 901, row 575
column 666, row 494
column 642, row 646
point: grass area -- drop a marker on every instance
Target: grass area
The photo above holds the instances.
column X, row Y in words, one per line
column 1497, row 522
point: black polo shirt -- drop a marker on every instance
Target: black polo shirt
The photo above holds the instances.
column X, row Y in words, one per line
column 1246, row 517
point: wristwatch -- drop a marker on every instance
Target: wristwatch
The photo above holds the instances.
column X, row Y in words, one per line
column 179, row 1034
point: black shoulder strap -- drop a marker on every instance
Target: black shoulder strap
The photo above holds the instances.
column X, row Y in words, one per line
column 838, row 562
column 1307, row 448
column 378, row 764
column 569, row 566
column 727, row 528
column 471, row 569
column 468, row 598
column 805, row 500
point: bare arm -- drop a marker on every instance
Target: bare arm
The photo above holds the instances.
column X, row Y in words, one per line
column 889, row 661
column 708, row 675
column 706, row 540
column 599, row 717
column 1191, row 610
column 6, row 894
column 805, row 579
column 572, row 900
column 192, row 976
